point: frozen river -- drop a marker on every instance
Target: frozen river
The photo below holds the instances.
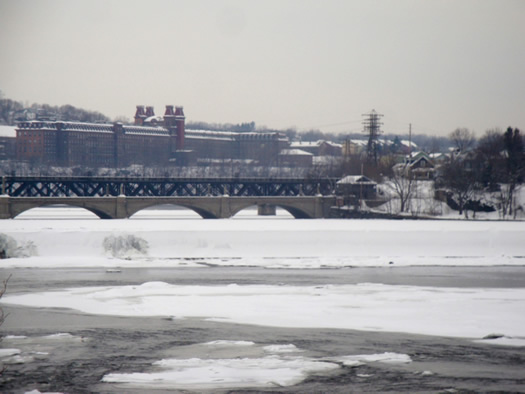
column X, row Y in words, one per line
column 258, row 304
column 92, row 345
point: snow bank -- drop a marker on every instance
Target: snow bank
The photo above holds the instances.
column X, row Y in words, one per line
column 10, row 248
column 125, row 246
column 275, row 242
column 453, row 312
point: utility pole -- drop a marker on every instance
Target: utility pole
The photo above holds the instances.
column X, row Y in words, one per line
column 372, row 126
column 410, row 140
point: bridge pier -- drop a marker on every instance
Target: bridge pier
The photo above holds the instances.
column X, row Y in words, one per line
column 266, row 210
column 5, row 211
column 224, row 208
column 121, row 208
column 321, row 209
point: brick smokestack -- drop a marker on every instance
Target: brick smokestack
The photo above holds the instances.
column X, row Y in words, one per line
column 169, row 119
column 180, row 120
column 169, row 111
column 140, row 115
column 150, row 112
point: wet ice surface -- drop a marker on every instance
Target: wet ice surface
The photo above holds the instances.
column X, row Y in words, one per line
column 120, row 347
column 98, row 348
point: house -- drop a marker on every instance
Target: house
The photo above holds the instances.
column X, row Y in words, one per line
column 354, row 147
column 295, row 158
column 359, row 186
column 439, row 157
column 7, row 142
column 419, row 165
column 319, row 148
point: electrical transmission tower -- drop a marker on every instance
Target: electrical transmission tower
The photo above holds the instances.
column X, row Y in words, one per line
column 372, row 126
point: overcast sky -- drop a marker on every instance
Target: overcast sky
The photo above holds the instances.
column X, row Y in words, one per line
column 319, row 64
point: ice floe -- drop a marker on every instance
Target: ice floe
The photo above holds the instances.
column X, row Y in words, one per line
column 454, row 312
column 387, row 357
column 264, row 370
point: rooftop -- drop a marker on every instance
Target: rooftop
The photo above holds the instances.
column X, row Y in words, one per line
column 7, row 131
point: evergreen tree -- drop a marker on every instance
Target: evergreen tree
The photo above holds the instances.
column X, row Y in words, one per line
column 514, row 168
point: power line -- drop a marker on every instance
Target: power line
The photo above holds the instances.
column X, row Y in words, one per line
column 332, row 124
column 400, row 125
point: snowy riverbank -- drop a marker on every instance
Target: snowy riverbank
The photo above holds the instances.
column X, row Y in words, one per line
column 174, row 238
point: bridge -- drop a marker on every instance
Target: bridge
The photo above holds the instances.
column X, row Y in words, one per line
column 118, row 198
column 18, row 186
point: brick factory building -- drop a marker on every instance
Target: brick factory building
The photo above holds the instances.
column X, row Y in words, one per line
column 150, row 141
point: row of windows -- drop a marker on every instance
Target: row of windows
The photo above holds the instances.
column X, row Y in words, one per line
column 37, row 125
column 88, row 127
column 37, row 149
column 137, row 138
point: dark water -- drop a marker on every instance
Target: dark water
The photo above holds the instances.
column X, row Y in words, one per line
column 103, row 345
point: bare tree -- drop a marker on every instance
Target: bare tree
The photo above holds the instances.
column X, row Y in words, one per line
column 3, row 315
column 2, row 292
column 402, row 184
column 435, row 145
column 463, row 139
column 8, row 108
column 489, row 150
column 461, row 182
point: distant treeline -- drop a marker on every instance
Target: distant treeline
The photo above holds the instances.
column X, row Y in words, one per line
column 12, row 111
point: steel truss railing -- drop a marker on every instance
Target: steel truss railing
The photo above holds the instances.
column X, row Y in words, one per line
column 164, row 187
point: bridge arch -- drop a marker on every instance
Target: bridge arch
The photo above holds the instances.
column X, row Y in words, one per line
column 132, row 209
column 292, row 210
column 21, row 208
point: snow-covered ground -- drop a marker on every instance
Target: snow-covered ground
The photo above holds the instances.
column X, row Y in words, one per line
column 164, row 238
column 422, row 203
column 176, row 238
